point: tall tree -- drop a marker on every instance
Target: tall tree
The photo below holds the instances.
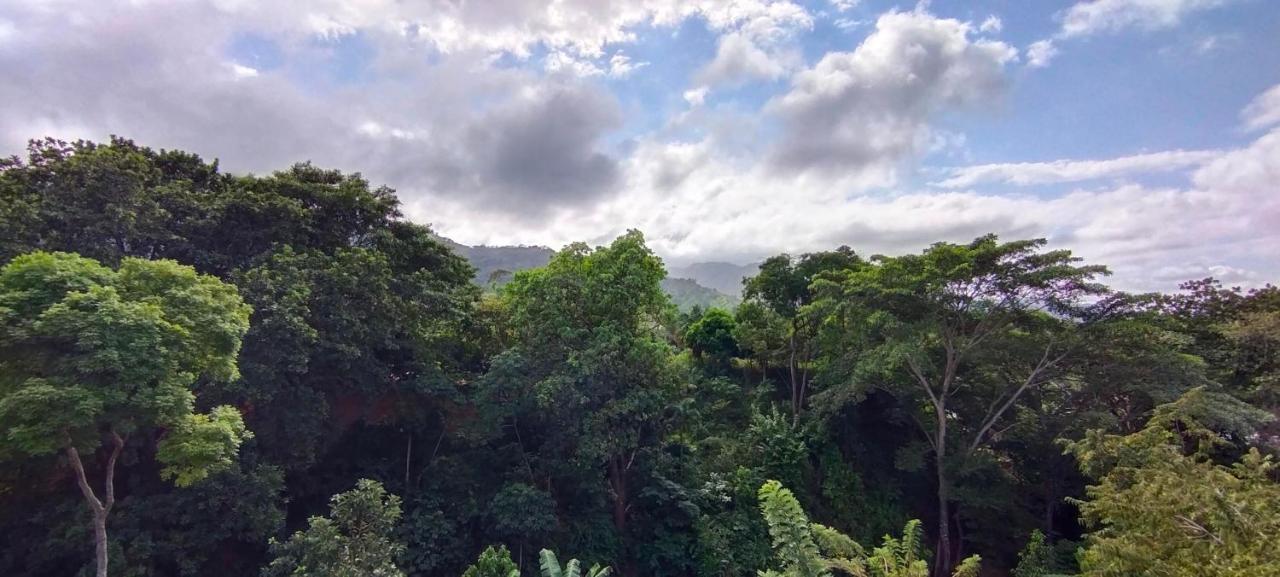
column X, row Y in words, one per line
column 88, row 353
column 783, row 285
column 589, row 348
column 964, row 330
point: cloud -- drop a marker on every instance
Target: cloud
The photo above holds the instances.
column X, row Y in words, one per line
column 860, row 113
column 1263, row 111
column 1040, row 53
column 737, row 60
column 991, row 25
column 1059, row 171
column 1094, row 17
column 1109, row 16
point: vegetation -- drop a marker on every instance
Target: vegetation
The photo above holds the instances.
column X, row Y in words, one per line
column 212, row 362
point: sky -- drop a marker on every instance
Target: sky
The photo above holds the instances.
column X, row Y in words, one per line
column 1141, row 134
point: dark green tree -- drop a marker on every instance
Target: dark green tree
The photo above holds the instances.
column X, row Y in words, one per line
column 783, row 286
column 960, row 331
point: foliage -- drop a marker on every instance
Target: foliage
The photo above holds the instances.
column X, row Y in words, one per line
column 1036, row 559
column 711, row 337
column 549, row 565
column 87, row 352
column 802, row 548
column 356, row 540
column 1163, row 505
column 493, row 563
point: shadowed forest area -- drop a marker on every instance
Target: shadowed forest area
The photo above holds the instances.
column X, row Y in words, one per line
column 207, row 374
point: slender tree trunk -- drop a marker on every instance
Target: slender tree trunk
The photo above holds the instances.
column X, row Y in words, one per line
column 942, row 558
column 617, row 478
column 100, row 540
column 99, row 507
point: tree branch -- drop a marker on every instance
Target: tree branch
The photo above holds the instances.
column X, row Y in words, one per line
column 74, row 456
column 1044, row 364
column 117, row 445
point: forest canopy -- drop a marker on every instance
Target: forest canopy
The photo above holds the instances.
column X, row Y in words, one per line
column 204, row 373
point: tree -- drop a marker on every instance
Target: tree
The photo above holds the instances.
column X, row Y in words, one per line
column 1166, row 504
column 88, row 353
column 356, row 540
column 1036, row 558
column 710, row 337
column 964, row 330
column 589, row 352
column 783, row 285
column 493, row 563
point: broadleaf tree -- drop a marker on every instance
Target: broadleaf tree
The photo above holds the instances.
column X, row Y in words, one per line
column 90, row 356
column 961, row 331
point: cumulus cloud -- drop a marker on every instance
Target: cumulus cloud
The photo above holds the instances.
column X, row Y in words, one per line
column 860, row 113
column 1058, row 171
column 739, row 59
column 1263, row 111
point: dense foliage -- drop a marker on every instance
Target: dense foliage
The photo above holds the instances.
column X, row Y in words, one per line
column 217, row 360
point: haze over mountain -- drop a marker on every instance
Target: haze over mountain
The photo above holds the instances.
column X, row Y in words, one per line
column 702, row 284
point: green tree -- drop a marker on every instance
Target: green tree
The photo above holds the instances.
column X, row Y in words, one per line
column 1164, row 502
column 784, row 287
column 493, row 563
column 356, row 540
column 589, row 353
column 711, row 339
column 1036, row 559
column 962, row 330
column 88, row 353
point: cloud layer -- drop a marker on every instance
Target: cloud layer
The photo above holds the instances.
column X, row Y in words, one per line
column 528, row 121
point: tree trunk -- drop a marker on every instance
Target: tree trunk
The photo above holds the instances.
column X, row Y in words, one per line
column 99, row 507
column 942, row 557
column 617, row 478
column 100, row 540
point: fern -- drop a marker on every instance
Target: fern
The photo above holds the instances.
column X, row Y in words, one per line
column 805, row 549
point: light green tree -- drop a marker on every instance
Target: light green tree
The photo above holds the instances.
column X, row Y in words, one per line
column 356, row 540
column 89, row 354
column 493, row 562
column 1166, row 505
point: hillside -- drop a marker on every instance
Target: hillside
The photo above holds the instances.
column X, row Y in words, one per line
column 496, row 264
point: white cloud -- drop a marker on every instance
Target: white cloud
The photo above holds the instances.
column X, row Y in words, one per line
column 1263, row 111
column 859, row 114
column 242, row 71
column 1101, row 16
column 737, row 60
column 991, row 24
column 561, row 62
column 1059, row 171
column 1040, row 53
column 621, row 65
column 844, row 5
column 696, row 96
column 1093, row 17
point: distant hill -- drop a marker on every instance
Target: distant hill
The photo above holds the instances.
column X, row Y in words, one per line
column 721, row 276
column 686, row 293
column 496, row 265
